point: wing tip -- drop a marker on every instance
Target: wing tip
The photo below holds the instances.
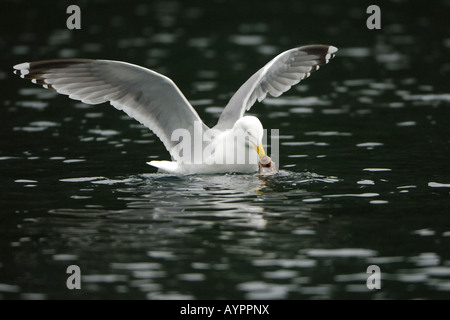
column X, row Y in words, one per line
column 331, row 53
column 43, row 65
column 322, row 51
column 22, row 69
column 332, row 50
column 22, row 66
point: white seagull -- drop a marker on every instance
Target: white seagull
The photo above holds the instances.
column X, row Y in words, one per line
column 155, row 101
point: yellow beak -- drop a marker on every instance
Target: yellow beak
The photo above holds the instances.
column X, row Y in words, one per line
column 259, row 149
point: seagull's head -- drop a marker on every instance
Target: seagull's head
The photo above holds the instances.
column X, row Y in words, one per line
column 253, row 133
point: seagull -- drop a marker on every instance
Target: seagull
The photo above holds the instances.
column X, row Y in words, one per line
column 234, row 144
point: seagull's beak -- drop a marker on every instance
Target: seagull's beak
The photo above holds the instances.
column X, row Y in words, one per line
column 259, row 149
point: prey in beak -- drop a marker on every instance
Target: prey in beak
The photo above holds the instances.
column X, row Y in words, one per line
column 266, row 166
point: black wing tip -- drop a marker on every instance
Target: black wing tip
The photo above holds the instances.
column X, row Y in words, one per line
column 323, row 48
column 35, row 71
column 324, row 52
column 316, row 48
column 48, row 64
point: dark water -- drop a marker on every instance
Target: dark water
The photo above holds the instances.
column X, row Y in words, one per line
column 365, row 146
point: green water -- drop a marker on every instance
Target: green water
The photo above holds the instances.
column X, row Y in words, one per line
column 364, row 149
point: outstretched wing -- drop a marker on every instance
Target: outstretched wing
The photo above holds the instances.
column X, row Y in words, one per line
column 147, row 96
column 276, row 77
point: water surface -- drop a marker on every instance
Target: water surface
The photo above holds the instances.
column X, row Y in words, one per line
column 364, row 149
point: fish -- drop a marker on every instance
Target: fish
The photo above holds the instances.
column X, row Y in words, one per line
column 266, row 166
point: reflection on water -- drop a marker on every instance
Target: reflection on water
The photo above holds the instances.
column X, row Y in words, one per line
column 363, row 155
column 287, row 236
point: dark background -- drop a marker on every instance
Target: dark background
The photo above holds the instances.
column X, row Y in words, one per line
column 75, row 189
